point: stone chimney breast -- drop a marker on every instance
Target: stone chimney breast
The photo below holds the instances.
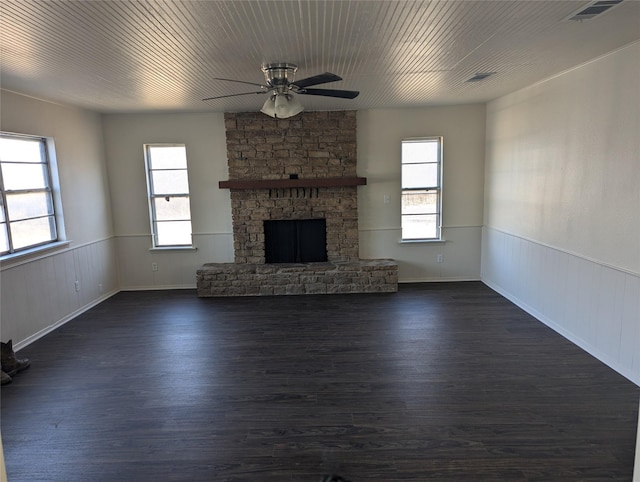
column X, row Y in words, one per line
column 311, row 145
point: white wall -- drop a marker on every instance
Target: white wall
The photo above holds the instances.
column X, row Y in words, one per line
column 562, row 222
column 38, row 292
column 204, row 137
column 380, row 132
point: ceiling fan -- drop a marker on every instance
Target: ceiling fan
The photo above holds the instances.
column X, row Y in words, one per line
column 280, row 85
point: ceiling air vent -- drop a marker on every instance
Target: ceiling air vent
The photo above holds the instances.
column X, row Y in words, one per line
column 480, row 76
column 593, row 9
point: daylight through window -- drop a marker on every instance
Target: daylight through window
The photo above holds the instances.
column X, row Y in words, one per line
column 421, row 188
column 27, row 217
column 168, row 188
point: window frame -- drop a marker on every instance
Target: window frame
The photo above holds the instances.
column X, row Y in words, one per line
column 151, row 196
column 51, row 189
column 437, row 189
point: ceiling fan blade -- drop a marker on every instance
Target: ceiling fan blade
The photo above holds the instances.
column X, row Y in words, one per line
column 343, row 94
column 235, row 95
column 241, row 82
column 317, row 79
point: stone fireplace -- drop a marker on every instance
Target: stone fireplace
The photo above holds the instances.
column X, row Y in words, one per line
column 302, row 168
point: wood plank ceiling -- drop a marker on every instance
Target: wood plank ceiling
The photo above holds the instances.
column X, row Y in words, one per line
column 136, row 56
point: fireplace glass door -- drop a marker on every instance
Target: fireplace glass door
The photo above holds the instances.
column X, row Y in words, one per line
column 295, row 241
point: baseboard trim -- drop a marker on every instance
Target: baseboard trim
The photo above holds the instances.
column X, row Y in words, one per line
column 158, row 288
column 436, row 280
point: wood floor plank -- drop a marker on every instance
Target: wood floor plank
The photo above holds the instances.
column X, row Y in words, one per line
column 445, row 382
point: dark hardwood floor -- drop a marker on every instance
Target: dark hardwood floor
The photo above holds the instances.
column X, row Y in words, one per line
column 445, row 381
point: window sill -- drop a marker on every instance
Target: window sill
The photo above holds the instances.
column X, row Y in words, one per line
column 174, row 248
column 14, row 259
column 422, row 241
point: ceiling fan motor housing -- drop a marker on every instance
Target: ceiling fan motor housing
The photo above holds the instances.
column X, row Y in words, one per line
column 279, row 75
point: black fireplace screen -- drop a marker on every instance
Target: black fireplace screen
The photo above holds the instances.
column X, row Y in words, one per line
column 295, row 241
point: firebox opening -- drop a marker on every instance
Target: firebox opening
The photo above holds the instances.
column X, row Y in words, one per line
column 295, row 241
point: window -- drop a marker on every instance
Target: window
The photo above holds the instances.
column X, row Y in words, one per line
column 28, row 214
column 421, row 188
column 168, row 188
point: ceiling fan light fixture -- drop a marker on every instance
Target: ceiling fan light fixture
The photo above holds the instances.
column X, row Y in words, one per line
column 282, row 106
column 295, row 107
column 269, row 106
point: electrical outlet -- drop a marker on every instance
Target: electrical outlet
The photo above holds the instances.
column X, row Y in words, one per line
column 386, row 199
column 154, row 266
column 100, row 287
column 77, row 285
column 440, row 258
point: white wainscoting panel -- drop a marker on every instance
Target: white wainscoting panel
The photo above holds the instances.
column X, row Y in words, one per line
column 593, row 305
column 40, row 295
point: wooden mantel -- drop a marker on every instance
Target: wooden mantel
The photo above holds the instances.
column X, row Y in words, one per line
column 293, row 183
